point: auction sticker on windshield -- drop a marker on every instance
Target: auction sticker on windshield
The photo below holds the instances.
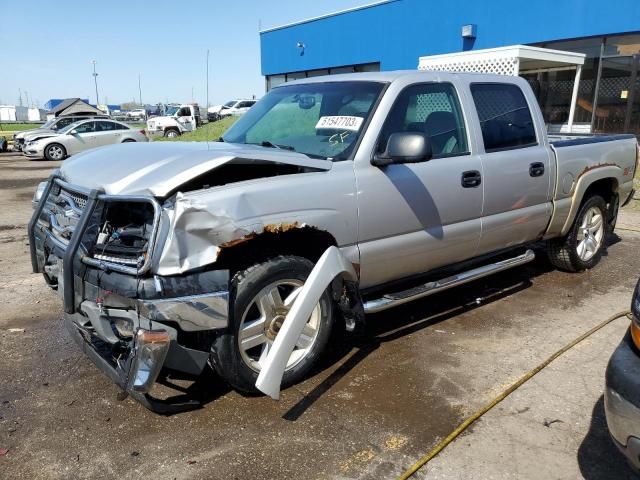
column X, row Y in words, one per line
column 341, row 122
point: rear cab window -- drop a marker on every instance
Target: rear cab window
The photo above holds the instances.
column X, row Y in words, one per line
column 505, row 118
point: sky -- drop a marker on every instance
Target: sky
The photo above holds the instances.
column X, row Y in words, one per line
column 49, row 46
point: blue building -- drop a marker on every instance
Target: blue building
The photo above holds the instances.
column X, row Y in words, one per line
column 393, row 34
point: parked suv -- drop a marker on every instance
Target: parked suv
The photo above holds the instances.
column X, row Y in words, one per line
column 53, row 125
column 233, row 107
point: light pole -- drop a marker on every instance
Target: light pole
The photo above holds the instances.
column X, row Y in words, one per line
column 139, row 90
column 95, row 81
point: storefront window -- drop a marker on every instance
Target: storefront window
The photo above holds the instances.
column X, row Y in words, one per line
column 554, row 88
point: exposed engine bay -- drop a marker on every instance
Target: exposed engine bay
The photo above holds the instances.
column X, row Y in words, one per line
column 124, row 233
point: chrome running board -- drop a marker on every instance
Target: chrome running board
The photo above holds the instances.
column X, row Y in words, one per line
column 391, row 300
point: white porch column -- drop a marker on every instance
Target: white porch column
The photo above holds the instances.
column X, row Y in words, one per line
column 574, row 97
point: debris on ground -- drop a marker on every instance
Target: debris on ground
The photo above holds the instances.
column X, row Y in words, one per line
column 3, row 452
column 16, row 330
column 547, row 422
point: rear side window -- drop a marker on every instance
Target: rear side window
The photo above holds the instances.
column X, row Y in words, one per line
column 505, row 118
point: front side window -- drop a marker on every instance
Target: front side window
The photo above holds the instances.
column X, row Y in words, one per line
column 86, row 127
column 433, row 109
column 322, row 120
column 505, row 118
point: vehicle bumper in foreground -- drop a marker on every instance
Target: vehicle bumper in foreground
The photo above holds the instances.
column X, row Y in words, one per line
column 622, row 400
column 131, row 327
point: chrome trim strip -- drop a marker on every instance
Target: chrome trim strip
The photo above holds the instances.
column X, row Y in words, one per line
column 399, row 298
column 207, row 311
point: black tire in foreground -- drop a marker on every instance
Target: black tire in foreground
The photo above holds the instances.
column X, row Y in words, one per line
column 582, row 247
column 55, row 152
column 260, row 298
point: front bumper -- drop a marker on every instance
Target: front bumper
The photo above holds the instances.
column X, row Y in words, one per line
column 33, row 151
column 622, row 400
column 98, row 302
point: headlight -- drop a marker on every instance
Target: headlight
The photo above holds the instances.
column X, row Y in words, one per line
column 635, row 310
column 39, row 191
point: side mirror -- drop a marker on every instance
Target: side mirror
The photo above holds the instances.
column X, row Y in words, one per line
column 404, row 147
column 73, row 132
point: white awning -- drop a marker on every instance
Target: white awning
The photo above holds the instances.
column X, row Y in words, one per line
column 511, row 60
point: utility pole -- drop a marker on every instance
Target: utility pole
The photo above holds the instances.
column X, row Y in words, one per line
column 139, row 90
column 26, row 96
column 207, row 80
column 95, row 81
column 20, row 97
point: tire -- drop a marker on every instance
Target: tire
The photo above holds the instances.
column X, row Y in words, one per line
column 171, row 133
column 574, row 253
column 240, row 366
column 128, row 140
column 55, row 152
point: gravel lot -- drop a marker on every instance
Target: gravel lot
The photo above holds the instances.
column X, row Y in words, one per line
column 374, row 406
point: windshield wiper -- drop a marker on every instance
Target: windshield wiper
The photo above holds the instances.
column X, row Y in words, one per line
column 268, row 144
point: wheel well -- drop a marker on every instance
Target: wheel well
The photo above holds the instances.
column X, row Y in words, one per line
column 607, row 188
column 307, row 242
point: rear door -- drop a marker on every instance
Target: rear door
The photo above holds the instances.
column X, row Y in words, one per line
column 105, row 133
column 517, row 166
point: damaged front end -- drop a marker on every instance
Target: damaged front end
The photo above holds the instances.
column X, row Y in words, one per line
column 97, row 251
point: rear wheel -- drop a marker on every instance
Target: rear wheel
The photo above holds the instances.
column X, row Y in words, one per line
column 583, row 246
column 261, row 297
column 55, row 152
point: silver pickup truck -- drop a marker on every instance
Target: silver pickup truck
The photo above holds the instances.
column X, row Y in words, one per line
column 393, row 185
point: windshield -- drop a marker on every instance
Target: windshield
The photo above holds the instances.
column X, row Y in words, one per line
column 230, row 104
column 322, row 120
column 49, row 123
column 170, row 111
column 69, row 127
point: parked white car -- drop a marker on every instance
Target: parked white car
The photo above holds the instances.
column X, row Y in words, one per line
column 81, row 136
column 233, row 107
column 138, row 114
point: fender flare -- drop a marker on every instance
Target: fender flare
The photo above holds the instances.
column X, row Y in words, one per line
column 585, row 180
column 330, row 265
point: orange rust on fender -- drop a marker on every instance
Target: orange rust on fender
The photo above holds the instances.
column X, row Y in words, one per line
column 281, row 227
column 593, row 167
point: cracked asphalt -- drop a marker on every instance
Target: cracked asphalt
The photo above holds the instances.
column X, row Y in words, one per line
column 373, row 407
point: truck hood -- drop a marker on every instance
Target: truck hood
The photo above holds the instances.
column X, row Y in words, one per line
column 160, row 168
column 35, row 132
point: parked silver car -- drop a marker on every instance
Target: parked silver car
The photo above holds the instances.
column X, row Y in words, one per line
column 51, row 126
column 81, row 136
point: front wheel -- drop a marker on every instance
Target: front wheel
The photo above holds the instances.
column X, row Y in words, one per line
column 54, row 152
column 261, row 297
column 583, row 246
column 171, row 133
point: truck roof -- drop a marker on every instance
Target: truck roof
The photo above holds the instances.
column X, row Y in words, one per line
column 390, row 76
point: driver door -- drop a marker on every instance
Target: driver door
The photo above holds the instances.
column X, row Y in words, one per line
column 414, row 217
column 187, row 119
column 83, row 138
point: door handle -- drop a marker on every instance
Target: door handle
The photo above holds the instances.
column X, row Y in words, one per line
column 471, row 179
column 536, row 169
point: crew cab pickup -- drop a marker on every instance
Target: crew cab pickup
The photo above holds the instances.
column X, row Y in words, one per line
column 331, row 198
